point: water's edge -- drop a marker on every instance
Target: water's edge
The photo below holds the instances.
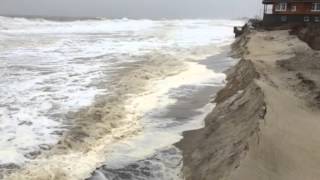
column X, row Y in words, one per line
column 215, row 150
column 115, row 94
column 167, row 162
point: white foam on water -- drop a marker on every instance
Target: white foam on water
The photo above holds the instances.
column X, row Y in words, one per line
column 157, row 99
column 158, row 135
column 50, row 68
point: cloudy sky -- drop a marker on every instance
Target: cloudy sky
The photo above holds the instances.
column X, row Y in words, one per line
column 133, row 8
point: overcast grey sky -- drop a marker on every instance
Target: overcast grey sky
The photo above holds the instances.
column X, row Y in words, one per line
column 133, row 8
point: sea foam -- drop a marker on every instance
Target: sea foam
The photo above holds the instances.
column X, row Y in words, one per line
column 52, row 70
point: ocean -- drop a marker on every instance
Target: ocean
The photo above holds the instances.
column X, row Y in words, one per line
column 105, row 98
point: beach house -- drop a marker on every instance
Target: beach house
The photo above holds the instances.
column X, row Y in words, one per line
column 278, row 12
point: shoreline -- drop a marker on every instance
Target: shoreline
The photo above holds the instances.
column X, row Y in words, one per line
column 265, row 124
column 185, row 114
column 130, row 77
column 60, row 154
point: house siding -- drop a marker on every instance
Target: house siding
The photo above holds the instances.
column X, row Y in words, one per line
column 301, row 8
column 302, row 14
column 279, row 19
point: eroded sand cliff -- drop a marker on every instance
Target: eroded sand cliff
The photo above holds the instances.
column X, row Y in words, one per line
column 266, row 124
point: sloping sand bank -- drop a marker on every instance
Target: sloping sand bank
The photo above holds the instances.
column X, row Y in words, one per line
column 266, row 125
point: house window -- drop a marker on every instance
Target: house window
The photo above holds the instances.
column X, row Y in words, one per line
column 315, row 7
column 306, row 19
column 293, row 8
column 281, row 7
column 268, row 9
column 316, row 19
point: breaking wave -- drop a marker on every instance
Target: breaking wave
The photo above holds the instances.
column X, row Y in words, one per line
column 72, row 90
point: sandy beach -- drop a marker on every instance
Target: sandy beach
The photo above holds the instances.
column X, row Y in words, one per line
column 267, row 119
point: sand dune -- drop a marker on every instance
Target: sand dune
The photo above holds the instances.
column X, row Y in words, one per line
column 289, row 145
column 285, row 145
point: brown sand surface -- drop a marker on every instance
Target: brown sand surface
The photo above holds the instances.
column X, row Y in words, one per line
column 266, row 125
column 289, row 140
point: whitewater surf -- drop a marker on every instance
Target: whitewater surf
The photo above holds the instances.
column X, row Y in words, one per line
column 104, row 99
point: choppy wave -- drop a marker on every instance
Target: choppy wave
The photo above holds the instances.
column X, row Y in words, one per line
column 69, row 90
